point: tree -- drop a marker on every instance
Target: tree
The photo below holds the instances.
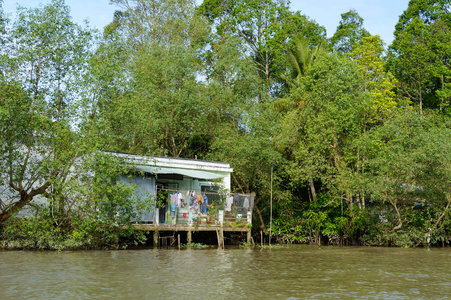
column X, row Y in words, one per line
column 255, row 22
column 264, row 26
column 39, row 105
column 411, row 61
column 300, row 57
column 376, row 80
column 441, row 45
column 419, row 55
column 232, row 85
column 409, row 161
column 162, row 109
column 428, row 11
column 320, row 132
column 250, row 149
column 349, row 32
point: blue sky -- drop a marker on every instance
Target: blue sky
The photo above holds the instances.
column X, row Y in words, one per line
column 380, row 16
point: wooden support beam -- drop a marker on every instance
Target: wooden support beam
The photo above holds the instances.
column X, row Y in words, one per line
column 189, row 237
column 220, row 235
column 165, row 227
column 178, row 241
column 217, row 236
column 156, row 238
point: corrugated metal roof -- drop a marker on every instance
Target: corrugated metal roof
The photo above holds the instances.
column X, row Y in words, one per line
column 185, row 172
column 171, row 158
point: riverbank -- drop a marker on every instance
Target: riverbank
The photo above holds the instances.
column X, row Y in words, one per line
column 46, row 234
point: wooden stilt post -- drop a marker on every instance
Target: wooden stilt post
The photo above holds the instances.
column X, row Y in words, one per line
column 189, row 237
column 156, row 237
column 217, row 235
column 178, row 238
column 249, row 236
column 220, row 235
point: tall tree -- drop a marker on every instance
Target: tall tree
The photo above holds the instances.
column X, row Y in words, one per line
column 411, row 61
column 264, row 26
column 39, row 104
column 441, row 45
column 376, row 80
column 300, row 58
column 349, row 32
column 419, row 57
column 428, row 11
column 409, row 161
column 231, row 83
column 319, row 133
column 163, row 109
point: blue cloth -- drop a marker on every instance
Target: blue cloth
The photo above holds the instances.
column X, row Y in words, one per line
column 173, row 209
column 204, row 207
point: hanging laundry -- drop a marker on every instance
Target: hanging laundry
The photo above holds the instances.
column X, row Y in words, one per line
column 174, row 199
column 173, row 209
column 179, row 199
column 228, row 206
column 200, row 199
column 193, row 200
column 205, row 206
column 246, row 203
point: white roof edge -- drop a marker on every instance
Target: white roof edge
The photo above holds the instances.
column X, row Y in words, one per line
column 176, row 162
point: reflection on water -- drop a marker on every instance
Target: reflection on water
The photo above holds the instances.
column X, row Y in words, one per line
column 283, row 273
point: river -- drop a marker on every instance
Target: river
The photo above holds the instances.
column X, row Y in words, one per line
column 292, row 272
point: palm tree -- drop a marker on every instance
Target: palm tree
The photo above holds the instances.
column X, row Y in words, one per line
column 300, row 58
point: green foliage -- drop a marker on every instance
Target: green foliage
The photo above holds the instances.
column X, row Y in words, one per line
column 161, row 110
column 40, row 87
column 42, row 233
column 380, row 84
column 428, row 11
column 300, row 58
column 350, row 32
column 193, row 246
column 264, row 27
column 358, row 154
column 411, row 164
column 322, row 126
column 50, row 138
column 420, row 53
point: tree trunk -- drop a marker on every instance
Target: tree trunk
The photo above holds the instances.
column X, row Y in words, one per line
column 312, row 189
column 24, row 200
column 398, row 214
column 262, row 224
column 337, row 161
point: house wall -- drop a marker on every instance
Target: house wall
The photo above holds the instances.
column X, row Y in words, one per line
column 145, row 190
column 190, row 164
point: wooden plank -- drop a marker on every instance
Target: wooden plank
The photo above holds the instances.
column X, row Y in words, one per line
column 152, row 227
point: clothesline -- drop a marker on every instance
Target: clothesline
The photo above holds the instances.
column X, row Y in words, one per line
column 208, row 193
column 183, row 191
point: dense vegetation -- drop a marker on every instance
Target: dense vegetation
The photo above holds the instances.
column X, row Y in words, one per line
column 358, row 135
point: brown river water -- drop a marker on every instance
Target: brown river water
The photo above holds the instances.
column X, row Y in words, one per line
column 292, row 272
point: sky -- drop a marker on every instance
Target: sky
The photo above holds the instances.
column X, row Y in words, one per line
column 380, row 16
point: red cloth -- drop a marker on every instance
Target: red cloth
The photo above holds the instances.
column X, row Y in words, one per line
column 184, row 215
